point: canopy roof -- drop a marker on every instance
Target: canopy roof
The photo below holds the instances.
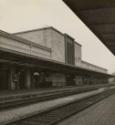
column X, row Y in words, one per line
column 15, row 58
column 99, row 16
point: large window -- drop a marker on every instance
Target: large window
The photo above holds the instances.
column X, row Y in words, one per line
column 69, row 50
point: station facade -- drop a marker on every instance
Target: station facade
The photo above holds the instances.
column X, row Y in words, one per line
column 44, row 58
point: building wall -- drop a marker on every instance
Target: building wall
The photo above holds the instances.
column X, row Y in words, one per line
column 48, row 37
column 80, row 63
column 57, row 79
column 37, row 36
column 47, row 43
column 24, row 47
column 89, row 66
column 57, row 46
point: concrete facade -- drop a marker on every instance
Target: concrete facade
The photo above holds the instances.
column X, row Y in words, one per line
column 58, row 46
column 50, row 45
column 89, row 66
column 27, row 47
column 79, row 62
column 53, row 39
column 48, row 37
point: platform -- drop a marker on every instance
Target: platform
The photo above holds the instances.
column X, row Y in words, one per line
column 18, row 93
column 15, row 93
column 102, row 113
column 22, row 112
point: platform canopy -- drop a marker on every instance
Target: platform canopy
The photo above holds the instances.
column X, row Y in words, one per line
column 99, row 16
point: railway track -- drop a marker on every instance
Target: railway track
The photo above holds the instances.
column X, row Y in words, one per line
column 16, row 101
column 54, row 116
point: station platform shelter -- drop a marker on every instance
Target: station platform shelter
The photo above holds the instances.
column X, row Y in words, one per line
column 44, row 58
column 25, row 72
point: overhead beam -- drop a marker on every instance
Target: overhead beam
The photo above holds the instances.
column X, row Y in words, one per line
column 98, row 15
column 107, row 37
column 84, row 4
column 110, row 43
column 102, row 24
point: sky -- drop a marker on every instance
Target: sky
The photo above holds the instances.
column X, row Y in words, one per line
column 22, row 15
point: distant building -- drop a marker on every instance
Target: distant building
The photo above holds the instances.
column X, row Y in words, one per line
column 43, row 58
column 63, row 47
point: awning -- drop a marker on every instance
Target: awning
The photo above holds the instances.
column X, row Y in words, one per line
column 13, row 58
column 99, row 16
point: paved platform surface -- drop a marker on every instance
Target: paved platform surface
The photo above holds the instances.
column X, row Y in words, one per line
column 102, row 113
column 8, row 93
column 22, row 112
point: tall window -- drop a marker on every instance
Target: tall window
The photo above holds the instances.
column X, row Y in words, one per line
column 69, row 50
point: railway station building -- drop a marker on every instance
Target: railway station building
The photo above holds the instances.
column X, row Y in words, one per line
column 44, row 58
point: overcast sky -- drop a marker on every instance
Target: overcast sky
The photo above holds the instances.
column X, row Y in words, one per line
column 21, row 15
